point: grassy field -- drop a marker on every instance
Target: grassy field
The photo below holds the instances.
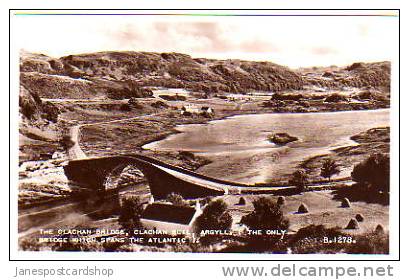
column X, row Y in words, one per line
column 323, row 209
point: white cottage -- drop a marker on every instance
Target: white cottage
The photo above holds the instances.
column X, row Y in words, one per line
column 189, row 110
column 168, row 217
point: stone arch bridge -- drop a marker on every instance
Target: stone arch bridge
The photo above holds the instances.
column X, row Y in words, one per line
column 163, row 178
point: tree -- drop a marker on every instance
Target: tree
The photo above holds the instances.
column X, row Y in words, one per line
column 67, row 142
column 176, row 199
column 215, row 216
column 133, row 103
column 374, row 172
column 266, row 215
column 329, row 168
column 50, row 111
column 130, row 213
column 125, row 107
column 299, row 179
column 336, row 97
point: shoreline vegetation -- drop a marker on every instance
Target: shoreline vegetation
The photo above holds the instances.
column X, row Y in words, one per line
column 374, row 140
column 125, row 100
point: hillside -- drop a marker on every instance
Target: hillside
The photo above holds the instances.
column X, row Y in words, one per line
column 87, row 75
column 359, row 75
column 98, row 74
column 60, row 92
column 38, row 126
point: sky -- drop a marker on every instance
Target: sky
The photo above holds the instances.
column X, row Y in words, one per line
column 291, row 41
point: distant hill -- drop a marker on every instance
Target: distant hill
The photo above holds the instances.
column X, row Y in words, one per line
column 88, row 75
column 359, row 75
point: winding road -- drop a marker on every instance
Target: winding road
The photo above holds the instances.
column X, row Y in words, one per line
column 31, row 220
column 75, row 151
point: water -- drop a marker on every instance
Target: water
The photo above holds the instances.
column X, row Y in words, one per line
column 240, row 151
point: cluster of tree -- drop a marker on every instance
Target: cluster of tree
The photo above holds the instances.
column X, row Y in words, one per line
column 50, row 111
column 286, row 97
column 336, row 97
column 129, row 89
column 267, row 214
column 176, row 199
column 374, row 173
column 130, row 213
column 32, row 107
column 299, row 178
column 131, row 104
column 215, row 216
column 175, row 97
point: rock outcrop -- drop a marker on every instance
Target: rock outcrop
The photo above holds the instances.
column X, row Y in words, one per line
column 282, row 138
column 33, row 109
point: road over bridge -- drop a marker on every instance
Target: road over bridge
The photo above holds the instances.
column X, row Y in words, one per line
column 163, row 178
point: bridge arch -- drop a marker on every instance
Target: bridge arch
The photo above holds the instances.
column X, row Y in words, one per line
column 123, row 175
